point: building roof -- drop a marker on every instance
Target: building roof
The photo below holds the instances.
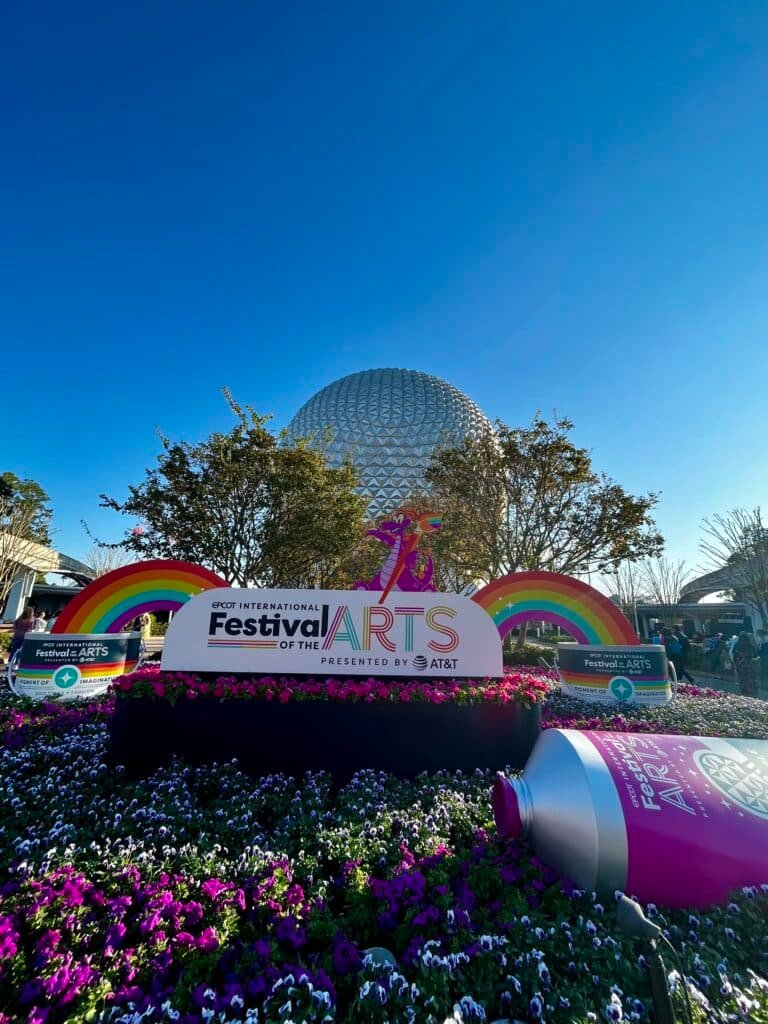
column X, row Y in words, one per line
column 38, row 558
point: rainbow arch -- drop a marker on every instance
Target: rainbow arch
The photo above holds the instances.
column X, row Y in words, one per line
column 107, row 604
column 576, row 607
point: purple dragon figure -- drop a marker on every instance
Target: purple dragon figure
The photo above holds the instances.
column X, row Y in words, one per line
column 402, row 533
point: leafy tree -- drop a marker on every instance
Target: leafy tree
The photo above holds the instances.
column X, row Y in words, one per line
column 249, row 506
column 16, row 548
column 529, row 499
column 31, row 504
column 736, row 544
column 25, row 518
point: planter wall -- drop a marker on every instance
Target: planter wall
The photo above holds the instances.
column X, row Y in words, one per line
column 339, row 737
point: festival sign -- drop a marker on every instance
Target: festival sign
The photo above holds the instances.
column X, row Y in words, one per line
column 72, row 666
column 330, row 632
column 608, row 664
column 638, row 674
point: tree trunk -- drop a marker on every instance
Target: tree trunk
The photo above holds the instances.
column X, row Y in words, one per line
column 521, row 639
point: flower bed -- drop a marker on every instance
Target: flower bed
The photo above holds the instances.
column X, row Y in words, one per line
column 697, row 711
column 517, row 686
column 338, row 725
column 202, row 894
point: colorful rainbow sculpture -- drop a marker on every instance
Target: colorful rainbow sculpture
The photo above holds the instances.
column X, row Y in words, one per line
column 111, row 601
column 582, row 611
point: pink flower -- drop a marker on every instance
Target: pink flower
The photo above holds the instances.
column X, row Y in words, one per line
column 213, row 887
column 208, row 940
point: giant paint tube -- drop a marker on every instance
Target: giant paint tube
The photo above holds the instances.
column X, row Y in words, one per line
column 678, row 820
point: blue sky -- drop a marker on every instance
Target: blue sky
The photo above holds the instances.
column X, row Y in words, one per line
column 552, row 206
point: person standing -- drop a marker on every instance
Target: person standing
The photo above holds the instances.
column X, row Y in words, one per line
column 24, row 624
column 677, row 646
column 144, row 623
column 715, row 654
column 40, row 622
column 763, row 652
column 747, row 664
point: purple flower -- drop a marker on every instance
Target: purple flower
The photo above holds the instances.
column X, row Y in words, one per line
column 291, row 932
column 203, row 995
column 536, row 1006
column 72, row 895
column 193, row 913
column 151, row 923
column 115, row 936
column 31, row 991
column 426, row 916
column 379, row 888
column 213, row 887
column 207, row 940
column 257, row 987
column 346, row 956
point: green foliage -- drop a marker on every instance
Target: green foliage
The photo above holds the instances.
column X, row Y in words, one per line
column 26, row 505
column 248, row 505
column 5, row 640
column 529, row 499
column 528, row 654
column 157, row 628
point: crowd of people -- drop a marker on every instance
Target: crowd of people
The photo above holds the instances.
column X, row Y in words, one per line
column 743, row 653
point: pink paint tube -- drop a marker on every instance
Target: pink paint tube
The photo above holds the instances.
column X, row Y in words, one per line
column 677, row 820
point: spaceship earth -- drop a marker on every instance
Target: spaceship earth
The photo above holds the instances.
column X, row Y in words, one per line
column 388, row 423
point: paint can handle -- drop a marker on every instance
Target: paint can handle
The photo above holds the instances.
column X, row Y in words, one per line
column 675, row 680
column 10, row 669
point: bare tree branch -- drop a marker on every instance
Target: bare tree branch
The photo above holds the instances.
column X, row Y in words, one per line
column 104, row 558
column 664, row 580
column 736, row 544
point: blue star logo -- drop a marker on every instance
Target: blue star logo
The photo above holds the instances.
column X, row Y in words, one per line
column 622, row 688
column 66, row 676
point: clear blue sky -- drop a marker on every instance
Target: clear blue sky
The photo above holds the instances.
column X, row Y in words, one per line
column 552, row 206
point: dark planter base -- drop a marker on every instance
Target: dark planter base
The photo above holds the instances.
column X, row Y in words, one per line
column 340, row 738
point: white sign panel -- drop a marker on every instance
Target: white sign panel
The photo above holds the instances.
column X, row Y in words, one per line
column 333, row 632
column 72, row 666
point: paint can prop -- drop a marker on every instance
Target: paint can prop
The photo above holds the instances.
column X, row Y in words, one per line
column 676, row 820
column 637, row 674
column 71, row 666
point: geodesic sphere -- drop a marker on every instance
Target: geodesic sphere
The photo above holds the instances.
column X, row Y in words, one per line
column 388, row 422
